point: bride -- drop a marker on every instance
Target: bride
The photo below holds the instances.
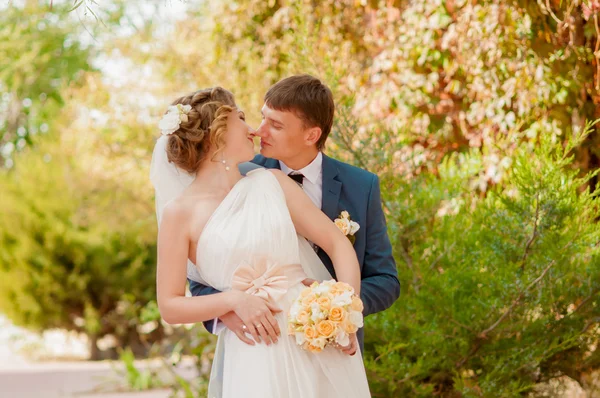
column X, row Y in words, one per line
column 243, row 234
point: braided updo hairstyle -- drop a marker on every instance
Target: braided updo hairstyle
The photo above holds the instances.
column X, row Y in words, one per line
column 205, row 128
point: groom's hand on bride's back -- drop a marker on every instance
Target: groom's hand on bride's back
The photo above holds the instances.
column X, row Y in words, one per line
column 234, row 323
column 254, row 317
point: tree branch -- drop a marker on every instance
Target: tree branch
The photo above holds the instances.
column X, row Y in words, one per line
column 534, row 234
column 484, row 334
column 434, row 263
column 516, row 301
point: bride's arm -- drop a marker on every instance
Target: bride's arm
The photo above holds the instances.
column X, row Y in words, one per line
column 314, row 225
column 174, row 306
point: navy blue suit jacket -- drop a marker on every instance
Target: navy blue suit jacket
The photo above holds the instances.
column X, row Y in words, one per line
column 356, row 191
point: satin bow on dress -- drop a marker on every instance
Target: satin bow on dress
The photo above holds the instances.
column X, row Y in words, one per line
column 267, row 279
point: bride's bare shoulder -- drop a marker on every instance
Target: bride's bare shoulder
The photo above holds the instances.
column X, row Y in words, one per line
column 288, row 185
column 186, row 208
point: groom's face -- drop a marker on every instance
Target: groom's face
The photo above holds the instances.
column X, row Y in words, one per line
column 282, row 134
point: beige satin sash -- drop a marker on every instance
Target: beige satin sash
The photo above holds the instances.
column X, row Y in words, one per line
column 267, row 279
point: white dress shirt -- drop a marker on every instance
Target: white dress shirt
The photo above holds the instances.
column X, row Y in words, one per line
column 312, row 185
column 313, row 179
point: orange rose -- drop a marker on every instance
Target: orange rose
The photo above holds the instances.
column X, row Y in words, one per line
column 324, row 302
column 357, row 304
column 312, row 348
column 337, row 314
column 310, row 332
column 326, row 328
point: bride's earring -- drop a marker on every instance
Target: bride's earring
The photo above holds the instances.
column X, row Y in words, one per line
column 225, row 164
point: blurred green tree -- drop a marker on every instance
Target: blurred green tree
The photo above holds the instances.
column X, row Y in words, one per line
column 41, row 55
column 77, row 225
column 500, row 294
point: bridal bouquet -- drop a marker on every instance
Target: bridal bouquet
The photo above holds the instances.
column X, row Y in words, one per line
column 325, row 314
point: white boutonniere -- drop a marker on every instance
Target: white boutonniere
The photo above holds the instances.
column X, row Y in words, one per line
column 171, row 120
column 347, row 226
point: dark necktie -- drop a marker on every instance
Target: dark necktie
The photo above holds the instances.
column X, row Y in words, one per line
column 298, row 177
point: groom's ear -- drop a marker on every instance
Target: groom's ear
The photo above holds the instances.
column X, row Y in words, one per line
column 312, row 135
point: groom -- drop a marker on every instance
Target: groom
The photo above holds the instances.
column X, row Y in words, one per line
column 297, row 118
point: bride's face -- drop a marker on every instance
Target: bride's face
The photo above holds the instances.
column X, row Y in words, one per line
column 240, row 146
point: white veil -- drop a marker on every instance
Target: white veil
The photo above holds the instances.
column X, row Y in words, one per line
column 169, row 181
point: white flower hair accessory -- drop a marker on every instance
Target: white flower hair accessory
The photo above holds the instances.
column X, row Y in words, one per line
column 171, row 121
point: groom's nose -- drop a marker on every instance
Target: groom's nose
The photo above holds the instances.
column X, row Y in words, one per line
column 261, row 131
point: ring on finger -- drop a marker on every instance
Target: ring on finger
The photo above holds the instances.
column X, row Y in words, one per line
column 244, row 327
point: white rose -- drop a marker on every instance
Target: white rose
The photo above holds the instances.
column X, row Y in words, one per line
column 342, row 300
column 322, row 289
column 356, row 318
column 300, row 339
column 317, row 314
column 354, row 227
column 319, row 342
column 342, row 339
column 345, row 214
column 169, row 123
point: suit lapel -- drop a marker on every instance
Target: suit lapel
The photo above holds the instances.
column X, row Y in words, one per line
column 331, row 188
column 272, row 164
column 267, row 163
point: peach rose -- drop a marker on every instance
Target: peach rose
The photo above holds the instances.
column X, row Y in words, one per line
column 302, row 316
column 324, row 302
column 326, row 328
column 307, row 300
column 310, row 332
column 305, row 292
column 339, row 288
column 312, row 348
column 349, row 327
column 337, row 314
column 343, row 225
column 357, row 304
column 335, row 291
column 344, row 287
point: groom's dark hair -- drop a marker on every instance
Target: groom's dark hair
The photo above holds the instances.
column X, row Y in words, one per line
column 308, row 98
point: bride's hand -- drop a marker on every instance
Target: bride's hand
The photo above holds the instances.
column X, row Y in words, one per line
column 234, row 323
column 308, row 281
column 257, row 316
column 351, row 348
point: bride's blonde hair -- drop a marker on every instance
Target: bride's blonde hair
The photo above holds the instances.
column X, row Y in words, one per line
column 205, row 128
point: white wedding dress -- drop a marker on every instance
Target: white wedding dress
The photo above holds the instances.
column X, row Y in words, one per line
column 250, row 229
